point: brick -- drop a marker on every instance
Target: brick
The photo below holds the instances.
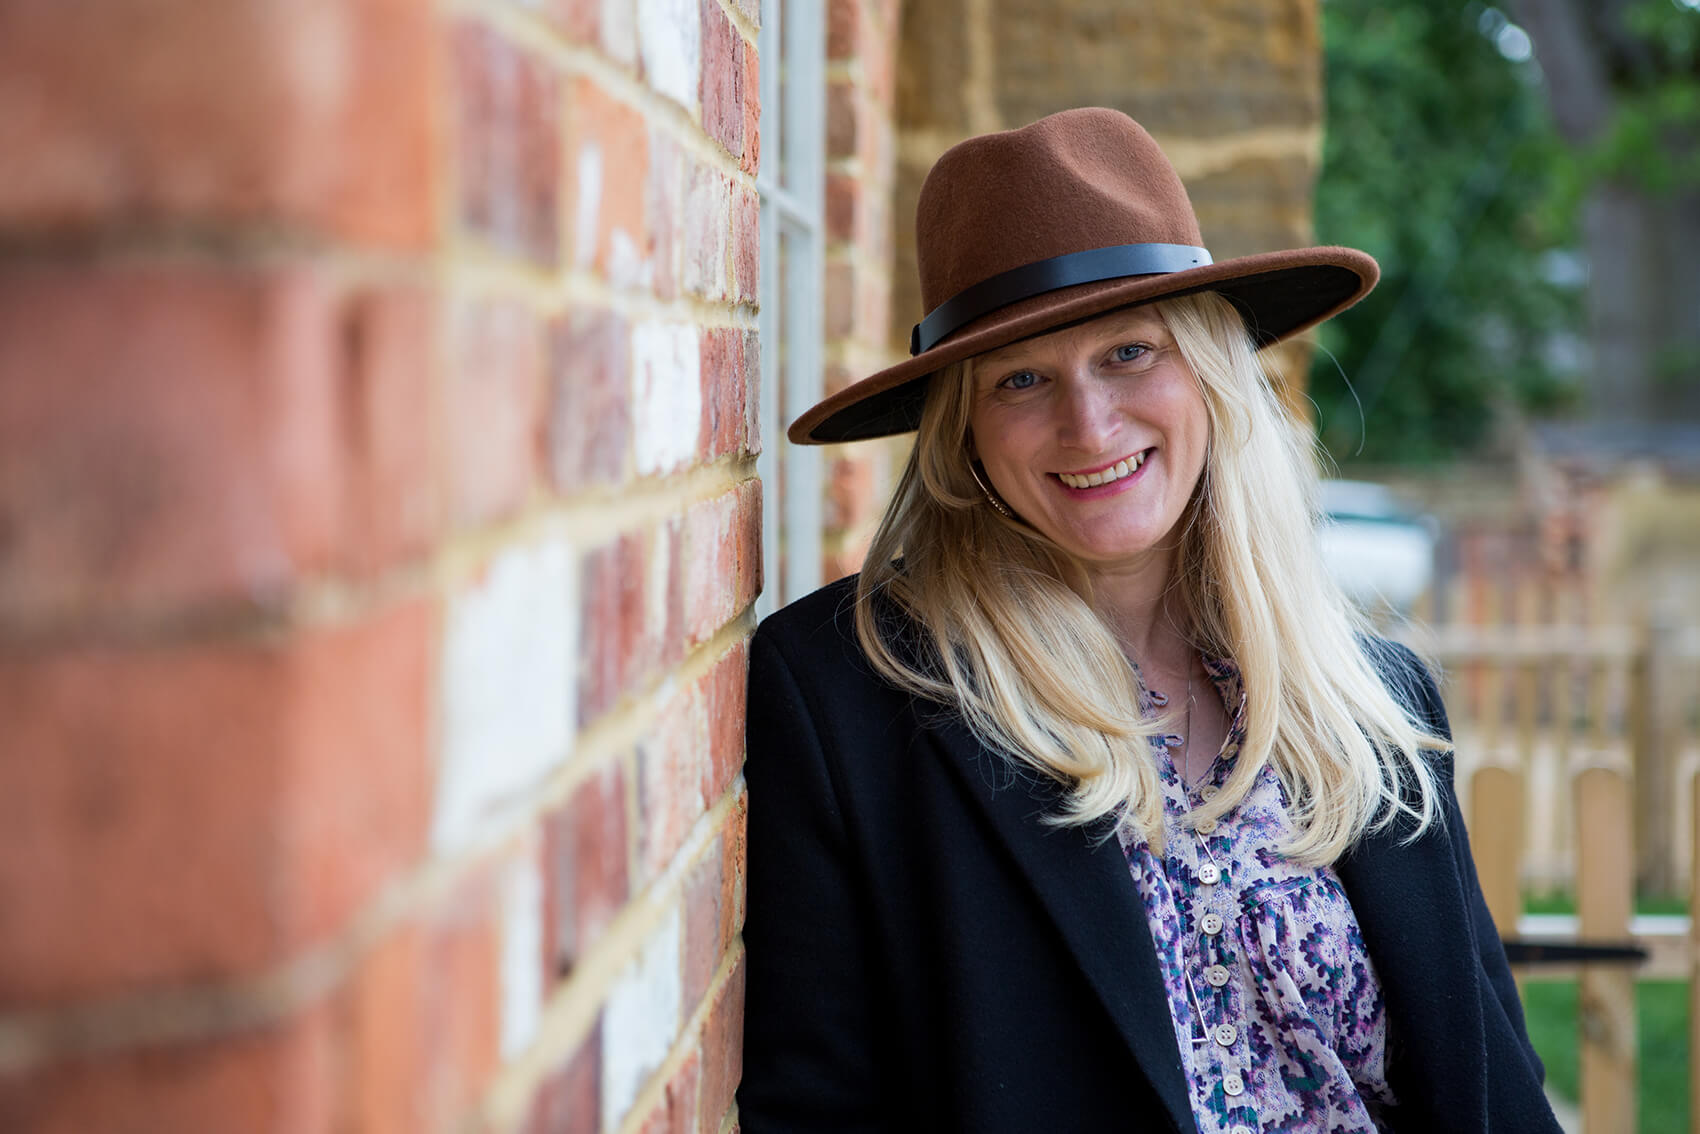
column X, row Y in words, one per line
column 842, row 100
column 704, row 894
column 640, row 1020
column 612, row 650
column 493, row 410
column 670, row 47
column 751, row 102
column 457, row 986
column 849, row 494
column 194, row 812
column 316, row 116
column 723, row 1050
column 723, row 393
column 580, row 21
column 723, row 544
column 673, row 762
column 666, row 211
column 666, row 396
column 523, row 964
column 752, row 392
column 707, row 233
column 388, row 411
column 842, row 195
column 847, row 560
column 746, row 245
column 633, row 615
column 569, row 1101
column 723, row 699
column 270, row 1081
column 720, row 87
column 507, row 138
column 676, row 1113
column 358, row 792
column 843, row 26
column 225, row 433
column 414, row 1032
column 378, row 1021
column 836, row 376
column 507, row 688
column 734, row 848
column 608, row 148
column 713, row 905
column 586, row 872
column 590, row 408
column 879, row 61
column 839, row 298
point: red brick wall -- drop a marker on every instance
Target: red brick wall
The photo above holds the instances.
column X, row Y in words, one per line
column 861, row 47
column 378, row 531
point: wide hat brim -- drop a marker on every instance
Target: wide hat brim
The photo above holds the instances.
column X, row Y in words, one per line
column 1278, row 294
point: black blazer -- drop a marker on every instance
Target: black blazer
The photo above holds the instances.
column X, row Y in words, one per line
column 924, row 954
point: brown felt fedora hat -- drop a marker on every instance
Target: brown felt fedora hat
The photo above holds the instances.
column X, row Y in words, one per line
column 1029, row 230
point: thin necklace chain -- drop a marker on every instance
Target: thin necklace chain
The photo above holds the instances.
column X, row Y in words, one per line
column 1186, row 737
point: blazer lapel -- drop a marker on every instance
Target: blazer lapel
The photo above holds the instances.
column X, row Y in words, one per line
column 1085, row 887
column 1412, row 914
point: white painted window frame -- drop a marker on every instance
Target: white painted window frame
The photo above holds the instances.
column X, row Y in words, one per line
column 791, row 181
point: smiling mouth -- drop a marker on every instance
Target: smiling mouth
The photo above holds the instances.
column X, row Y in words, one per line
column 1124, row 467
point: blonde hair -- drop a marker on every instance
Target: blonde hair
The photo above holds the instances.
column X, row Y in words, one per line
column 989, row 595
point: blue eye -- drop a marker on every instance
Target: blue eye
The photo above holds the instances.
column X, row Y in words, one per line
column 1130, row 352
column 1020, row 380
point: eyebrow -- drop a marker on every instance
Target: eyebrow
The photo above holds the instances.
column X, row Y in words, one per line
column 1129, row 324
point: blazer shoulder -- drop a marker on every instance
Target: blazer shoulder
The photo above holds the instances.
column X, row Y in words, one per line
column 1408, row 679
column 829, row 611
column 814, row 640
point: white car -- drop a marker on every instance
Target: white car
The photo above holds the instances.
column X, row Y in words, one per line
column 1378, row 551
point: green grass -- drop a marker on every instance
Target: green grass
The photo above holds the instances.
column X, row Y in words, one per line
column 1662, row 1016
column 1563, row 902
column 1662, row 1032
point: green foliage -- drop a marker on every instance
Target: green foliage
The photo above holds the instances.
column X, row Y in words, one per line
column 1440, row 161
column 1651, row 139
column 1662, row 1040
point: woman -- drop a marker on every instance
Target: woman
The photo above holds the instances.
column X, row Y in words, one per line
column 1087, row 807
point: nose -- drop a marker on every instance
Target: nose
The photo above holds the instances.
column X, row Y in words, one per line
column 1086, row 413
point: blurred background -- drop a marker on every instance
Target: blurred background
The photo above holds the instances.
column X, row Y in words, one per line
column 392, row 471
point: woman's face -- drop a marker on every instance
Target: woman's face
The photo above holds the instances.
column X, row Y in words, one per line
column 1094, row 434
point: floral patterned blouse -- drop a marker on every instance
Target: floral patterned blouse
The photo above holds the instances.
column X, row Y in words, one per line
column 1277, row 1009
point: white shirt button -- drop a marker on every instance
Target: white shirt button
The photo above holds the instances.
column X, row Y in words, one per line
column 1233, row 1084
column 1208, row 791
column 1208, row 874
column 1211, row 924
column 1216, row 976
column 1225, row 1034
column 1239, row 1130
column 1208, row 827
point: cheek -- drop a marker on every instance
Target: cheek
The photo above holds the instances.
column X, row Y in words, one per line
column 997, row 438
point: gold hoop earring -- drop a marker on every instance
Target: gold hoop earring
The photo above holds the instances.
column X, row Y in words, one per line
column 991, row 497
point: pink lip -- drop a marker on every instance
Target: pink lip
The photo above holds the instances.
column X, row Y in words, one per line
column 1113, row 486
column 1100, row 468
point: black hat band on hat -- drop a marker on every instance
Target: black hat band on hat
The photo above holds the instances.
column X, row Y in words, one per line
column 1090, row 266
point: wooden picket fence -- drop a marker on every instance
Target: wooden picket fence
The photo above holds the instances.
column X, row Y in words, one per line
column 1578, row 750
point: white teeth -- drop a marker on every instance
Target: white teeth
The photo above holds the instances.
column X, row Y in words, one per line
column 1125, row 467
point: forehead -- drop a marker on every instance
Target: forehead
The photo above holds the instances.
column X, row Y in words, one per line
column 1129, row 321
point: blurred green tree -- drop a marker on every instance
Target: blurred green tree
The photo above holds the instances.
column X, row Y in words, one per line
column 1441, row 161
column 1623, row 82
